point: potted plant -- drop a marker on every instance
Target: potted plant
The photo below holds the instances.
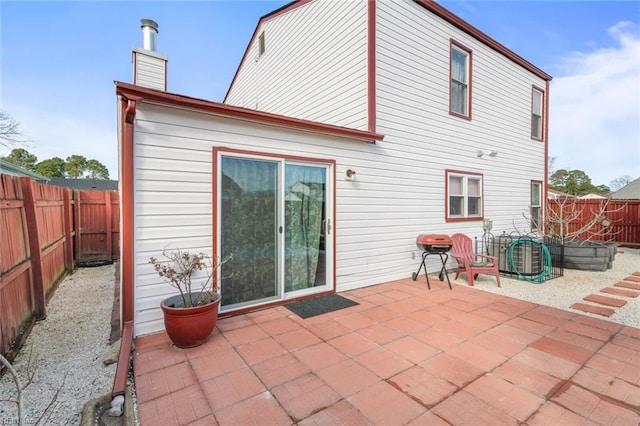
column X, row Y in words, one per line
column 191, row 315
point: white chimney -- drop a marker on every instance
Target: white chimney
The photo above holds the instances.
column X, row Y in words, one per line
column 149, row 67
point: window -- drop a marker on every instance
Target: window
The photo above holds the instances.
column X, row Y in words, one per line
column 464, row 196
column 460, row 91
column 261, row 45
column 536, row 205
column 537, row 99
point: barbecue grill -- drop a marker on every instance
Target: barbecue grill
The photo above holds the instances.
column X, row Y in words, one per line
column 439, row 244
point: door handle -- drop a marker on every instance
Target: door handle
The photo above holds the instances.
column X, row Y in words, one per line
column 325, row 226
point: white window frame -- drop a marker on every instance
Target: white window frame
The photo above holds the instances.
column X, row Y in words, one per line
column 465, row 178
column 455, row 82
column 537, row 113
column 536, row 215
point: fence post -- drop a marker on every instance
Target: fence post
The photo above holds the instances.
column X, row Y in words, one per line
column 68, row 231
column 107, row 227
column 35, row 252
column 77, row 223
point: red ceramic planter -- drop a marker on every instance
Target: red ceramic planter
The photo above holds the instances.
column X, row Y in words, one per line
column 189, row 327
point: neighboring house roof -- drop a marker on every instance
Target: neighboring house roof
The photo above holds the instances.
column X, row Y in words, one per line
column 13, row 170
column 592, row 196
column 555, row 194
column 98, row 184
column 629, row 192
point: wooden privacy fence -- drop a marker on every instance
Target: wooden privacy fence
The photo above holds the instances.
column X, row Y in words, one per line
column 96, row 225
column 45, row 231
column 615, row 220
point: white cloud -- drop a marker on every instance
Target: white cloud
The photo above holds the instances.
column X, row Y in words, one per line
column 595, row 109
column 57, row 133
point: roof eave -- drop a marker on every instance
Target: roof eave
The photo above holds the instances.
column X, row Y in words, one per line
column 284, row 9
column 137, row 93
column 458, row 22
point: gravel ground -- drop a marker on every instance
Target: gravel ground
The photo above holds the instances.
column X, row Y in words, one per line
column 66, row 351
column 68, row 347
column 573, row 287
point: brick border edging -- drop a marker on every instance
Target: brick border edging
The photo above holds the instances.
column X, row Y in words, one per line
column 624, row 288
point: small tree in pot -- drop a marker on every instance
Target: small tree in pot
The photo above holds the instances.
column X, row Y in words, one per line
column 190, row 317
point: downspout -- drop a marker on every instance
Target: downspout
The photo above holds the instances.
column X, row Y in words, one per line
column 126, row 256
column 545, row 193
column 371, row 65
column 126, row 179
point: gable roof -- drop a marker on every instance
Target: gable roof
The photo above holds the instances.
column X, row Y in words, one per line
column 430, row 5
column 461, row 24
column 97, row 184
column 13, row 170
column 592, row 196
column 555, row 194
column 629, row 192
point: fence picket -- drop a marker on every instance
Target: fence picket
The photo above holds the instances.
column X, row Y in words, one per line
column 623, row 215
column 38, row 224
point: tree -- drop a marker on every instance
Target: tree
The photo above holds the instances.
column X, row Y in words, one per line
column 20, row 388
column 96, row 170
column 52, row 167
column 551, row 164
column 621, row 182
column 558, row 180
column 578, row 183
column 570, row 219
column 574, row 182
column 75, row 166
column 10, row 133
column 21, row 158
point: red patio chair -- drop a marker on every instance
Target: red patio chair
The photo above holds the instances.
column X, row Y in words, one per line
column 470, row 262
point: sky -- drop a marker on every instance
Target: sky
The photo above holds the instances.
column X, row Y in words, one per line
column 59, row 61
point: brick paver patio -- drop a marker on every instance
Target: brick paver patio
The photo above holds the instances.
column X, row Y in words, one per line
column 405, row 355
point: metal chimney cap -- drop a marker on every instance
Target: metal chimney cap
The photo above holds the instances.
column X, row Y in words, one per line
column 149, row 34
column 149, row 23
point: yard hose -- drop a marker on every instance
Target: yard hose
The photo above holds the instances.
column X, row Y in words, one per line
column 545, row 274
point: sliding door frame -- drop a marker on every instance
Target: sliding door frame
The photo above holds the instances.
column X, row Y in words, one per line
column 330, row 164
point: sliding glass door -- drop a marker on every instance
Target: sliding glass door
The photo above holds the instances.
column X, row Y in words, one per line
column 274, row 216
column 249, row 223
column 305, row 225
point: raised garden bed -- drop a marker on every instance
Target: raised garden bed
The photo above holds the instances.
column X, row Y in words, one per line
column 588, row 255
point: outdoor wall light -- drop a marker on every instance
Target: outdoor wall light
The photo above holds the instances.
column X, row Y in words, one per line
column 481, row 153
column 350, row 174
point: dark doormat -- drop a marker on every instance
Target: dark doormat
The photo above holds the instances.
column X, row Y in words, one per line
column 319, row 305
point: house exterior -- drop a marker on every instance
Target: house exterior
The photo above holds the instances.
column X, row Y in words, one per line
column 13, row 170
column 96, row 184
column 349, row 129
column 592, row 196
column 459, row 112
column 553, row 194
column 631, row 191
